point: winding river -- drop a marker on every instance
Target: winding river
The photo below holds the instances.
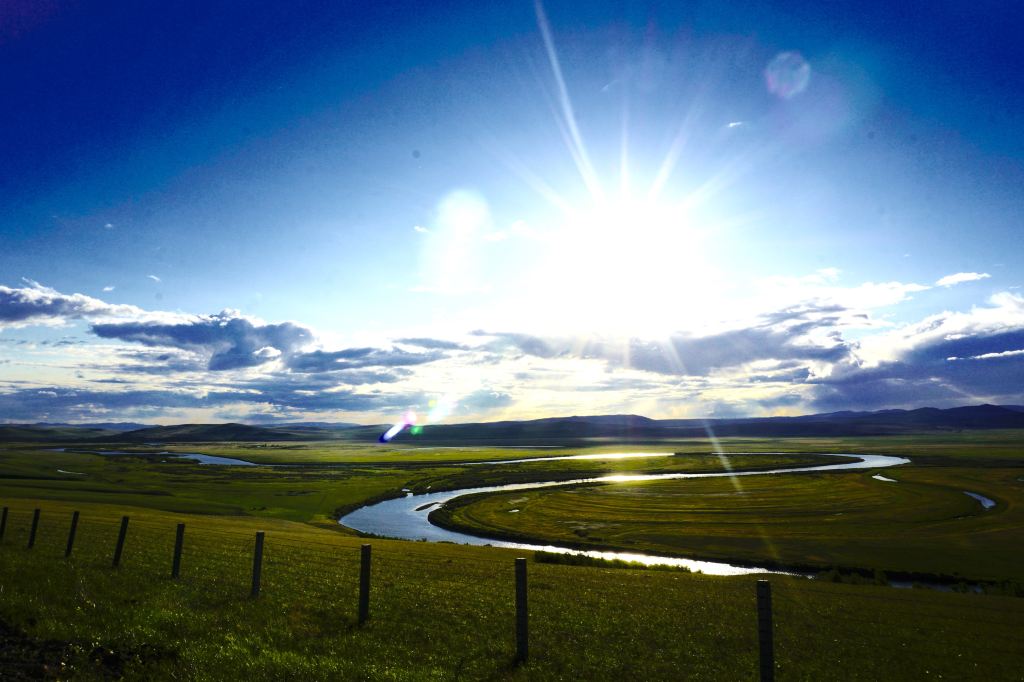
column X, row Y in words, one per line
column 407, row 517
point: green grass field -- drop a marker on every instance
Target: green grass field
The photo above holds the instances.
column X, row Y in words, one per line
column 445, row 612
column 922, row 524
column 324, row 479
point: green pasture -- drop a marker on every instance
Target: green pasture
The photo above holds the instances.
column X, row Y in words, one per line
column 445, row 612
column 922, row 524
column 315, row 493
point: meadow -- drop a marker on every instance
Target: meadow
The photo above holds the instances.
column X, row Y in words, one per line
column 444, row 611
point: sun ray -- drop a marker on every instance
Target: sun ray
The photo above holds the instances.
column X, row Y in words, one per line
column 532, row 180
column 624, row 151
column 576, row 147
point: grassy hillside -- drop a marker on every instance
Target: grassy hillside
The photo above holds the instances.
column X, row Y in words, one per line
column 191, row 433
column 24, row 433
column 445, row 612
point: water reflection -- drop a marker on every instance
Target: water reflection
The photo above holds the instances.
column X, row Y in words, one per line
column 986, row 502
column 407, row 517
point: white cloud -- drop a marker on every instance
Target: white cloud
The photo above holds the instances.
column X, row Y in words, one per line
column 1004, row 313
column 39, row 304
column 154, row 278
column 960, row 278
column 108, row 288
column 989, row 356
column 822, row 287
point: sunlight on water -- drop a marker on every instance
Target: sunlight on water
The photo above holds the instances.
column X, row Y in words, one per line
column 986, row 502
column 408, row 517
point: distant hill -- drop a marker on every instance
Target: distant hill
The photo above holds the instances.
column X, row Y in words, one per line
column 192, row 433
column 560, row 430
column 33, row 433
column 109, row 426
column 628, row 427
column 312, row 425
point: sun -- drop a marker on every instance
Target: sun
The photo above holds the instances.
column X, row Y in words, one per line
column 625, row 267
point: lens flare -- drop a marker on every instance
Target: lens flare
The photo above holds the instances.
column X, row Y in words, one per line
column 787, row 75
column 439, row 409
column 408, row 419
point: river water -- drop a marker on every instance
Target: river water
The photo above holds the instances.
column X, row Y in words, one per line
column 986, row 503
column 407, row 517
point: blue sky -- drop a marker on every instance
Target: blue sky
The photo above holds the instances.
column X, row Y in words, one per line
column 227, row 211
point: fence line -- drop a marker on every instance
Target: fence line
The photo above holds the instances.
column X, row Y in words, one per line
column 343, row 559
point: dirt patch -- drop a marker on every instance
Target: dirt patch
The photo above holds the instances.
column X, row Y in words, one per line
column 27, row 658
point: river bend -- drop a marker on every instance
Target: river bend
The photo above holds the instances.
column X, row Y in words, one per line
column 407, row 517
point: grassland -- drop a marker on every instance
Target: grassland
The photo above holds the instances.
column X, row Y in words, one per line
column 444, row 611
column 315, row 481
column 922, row 526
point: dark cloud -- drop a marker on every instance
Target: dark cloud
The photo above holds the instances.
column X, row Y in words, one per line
column 798, row 375
column 161, row 368
column 279, row 382
column 432, row 344
column 967, row 347
column 804, row 312
column 622, row 384
column 57, row 403
column 227, row 340
column 484, row 400
column 155, row 364
column 323, row 401
column 941, row 372
column 785, row 400
column 783, row 337
column 726, row 409
column 356, row 358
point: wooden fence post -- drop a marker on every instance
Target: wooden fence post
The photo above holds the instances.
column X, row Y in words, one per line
column 179, row 540
column 71, row 535
column 764, row 630
column 3, row 524
column 35, row 527
column 522, row 622
column 364, row 584
column 120, row 541
column 257, row 565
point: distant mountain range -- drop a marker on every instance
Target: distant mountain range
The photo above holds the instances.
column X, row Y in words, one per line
column 636, row 428
column 107, row 426
column 576, row 429
column 182, row 433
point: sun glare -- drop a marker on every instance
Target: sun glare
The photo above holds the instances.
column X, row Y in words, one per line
column 620, row 267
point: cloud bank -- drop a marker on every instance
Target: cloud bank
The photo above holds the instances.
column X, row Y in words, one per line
column 229, row 340
column 38, row 304
column 829, row 352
